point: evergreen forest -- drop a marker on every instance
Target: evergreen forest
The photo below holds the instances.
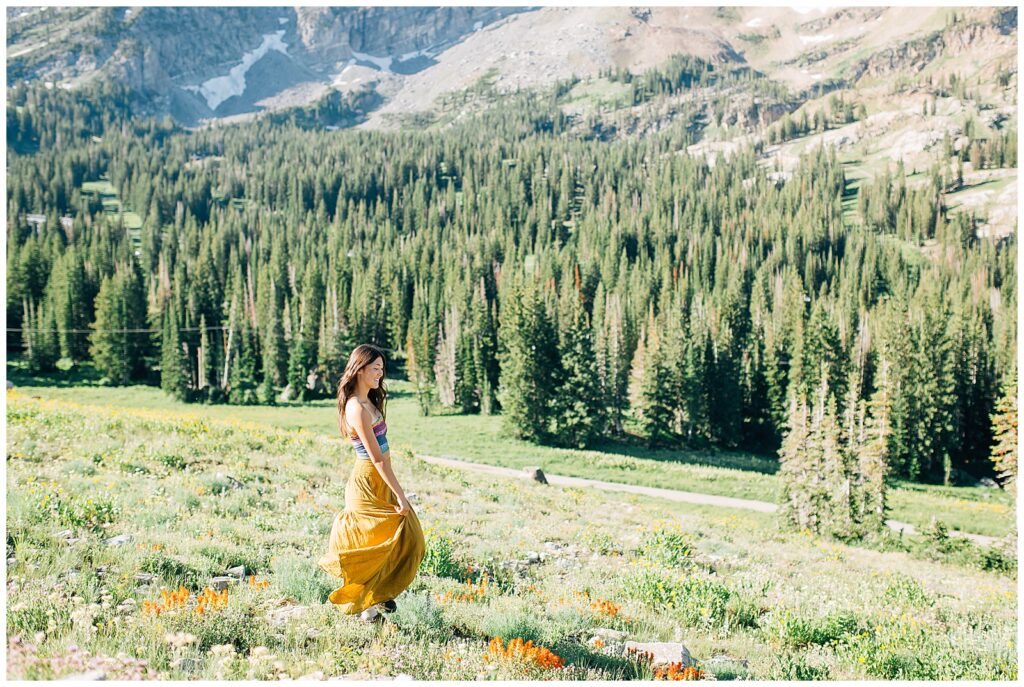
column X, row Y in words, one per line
column 587, row 290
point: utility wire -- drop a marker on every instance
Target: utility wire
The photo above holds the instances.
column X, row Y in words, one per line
column 111, row 331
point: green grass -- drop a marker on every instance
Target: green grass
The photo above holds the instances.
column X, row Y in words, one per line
column 598, row 93
column 132, row 221
column 113, row 207
column 722, row 582
column 481, row 439
column 956, row 199
column 99, row 187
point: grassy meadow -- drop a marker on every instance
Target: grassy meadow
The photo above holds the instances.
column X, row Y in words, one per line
column 119, row 517
column 736, row 474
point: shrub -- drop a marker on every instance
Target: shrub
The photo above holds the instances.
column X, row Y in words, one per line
column 668, row 546
column 418, row 616
column 301, row 579
column 175, row 572
column 796, row 667
column 512, row 624
column 697, row 600
column 905, row 589
column 439, row 558
column 1001, row 559
column 799, row 632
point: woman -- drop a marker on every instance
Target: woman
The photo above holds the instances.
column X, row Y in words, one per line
column 376, row 543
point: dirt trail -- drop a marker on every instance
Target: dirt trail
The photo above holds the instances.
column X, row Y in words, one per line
column 670, row 494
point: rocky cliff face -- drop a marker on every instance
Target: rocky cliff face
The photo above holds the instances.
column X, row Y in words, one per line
column 198, row 62
column 331, row 34
column 996, row 30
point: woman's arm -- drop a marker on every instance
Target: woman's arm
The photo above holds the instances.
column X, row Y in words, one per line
column 360, row 422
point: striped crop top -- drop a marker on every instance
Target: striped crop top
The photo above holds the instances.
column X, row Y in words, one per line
column 380, row 429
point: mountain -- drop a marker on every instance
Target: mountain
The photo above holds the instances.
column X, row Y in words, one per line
column 892, row 82
column 206, row 62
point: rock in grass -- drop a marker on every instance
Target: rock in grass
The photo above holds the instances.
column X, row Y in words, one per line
column 90, row 676
column 607, row 640
column 119, row 540
column 718, row 662
column 237, row 571
column 279, row 616
column 370, row 614
column 609, row 635
column 145, row 578
column 188, row 664
column 662, row 652
column 221, row 582
column 536, row 474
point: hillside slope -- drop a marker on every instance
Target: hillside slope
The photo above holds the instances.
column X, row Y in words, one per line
column 144, row 500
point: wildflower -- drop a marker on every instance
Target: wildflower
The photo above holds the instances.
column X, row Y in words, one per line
column 523, row 651
column 180, row 639
column 676, row 671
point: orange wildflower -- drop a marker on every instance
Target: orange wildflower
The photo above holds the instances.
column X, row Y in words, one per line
column 262, row 584
column 676, row 671
column 605, row 608
column 519, row 650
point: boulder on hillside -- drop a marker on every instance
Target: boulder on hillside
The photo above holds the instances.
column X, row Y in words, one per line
column 221, row 582
column 536, row 474
column 662, row 653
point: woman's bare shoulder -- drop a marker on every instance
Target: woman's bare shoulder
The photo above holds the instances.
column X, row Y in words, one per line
column 354, row 409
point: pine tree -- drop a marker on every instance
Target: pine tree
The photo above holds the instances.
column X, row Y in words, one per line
column 617, row 360
column 466, row 384
column 39, row 337
column 297, row 369
column 71, row 296
column 871, row 453
column 417, row 352
column 133, row 291
column 524, row 387
column 312, row 298
column 484, row 344
column 657, row 398
column 242, row 377
column 275, row 349
column 1004, row 427
column 174, row 374
column 798, row 468
column 110, row 347
column 836, row 489
column 48, row 343
column 580, row 409
column 445, row 362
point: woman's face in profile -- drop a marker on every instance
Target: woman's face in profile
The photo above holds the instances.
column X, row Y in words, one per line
column 373, row 373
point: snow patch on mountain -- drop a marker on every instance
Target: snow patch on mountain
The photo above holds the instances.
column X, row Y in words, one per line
column 820, row 38
column 383, row 62
column 220, row 88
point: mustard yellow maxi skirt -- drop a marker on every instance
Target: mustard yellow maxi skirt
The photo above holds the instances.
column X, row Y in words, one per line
column 374, row 550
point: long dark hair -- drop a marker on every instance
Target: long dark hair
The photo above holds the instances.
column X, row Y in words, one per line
column 363, row 355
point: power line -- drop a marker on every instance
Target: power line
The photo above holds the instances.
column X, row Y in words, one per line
column 110, row 331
